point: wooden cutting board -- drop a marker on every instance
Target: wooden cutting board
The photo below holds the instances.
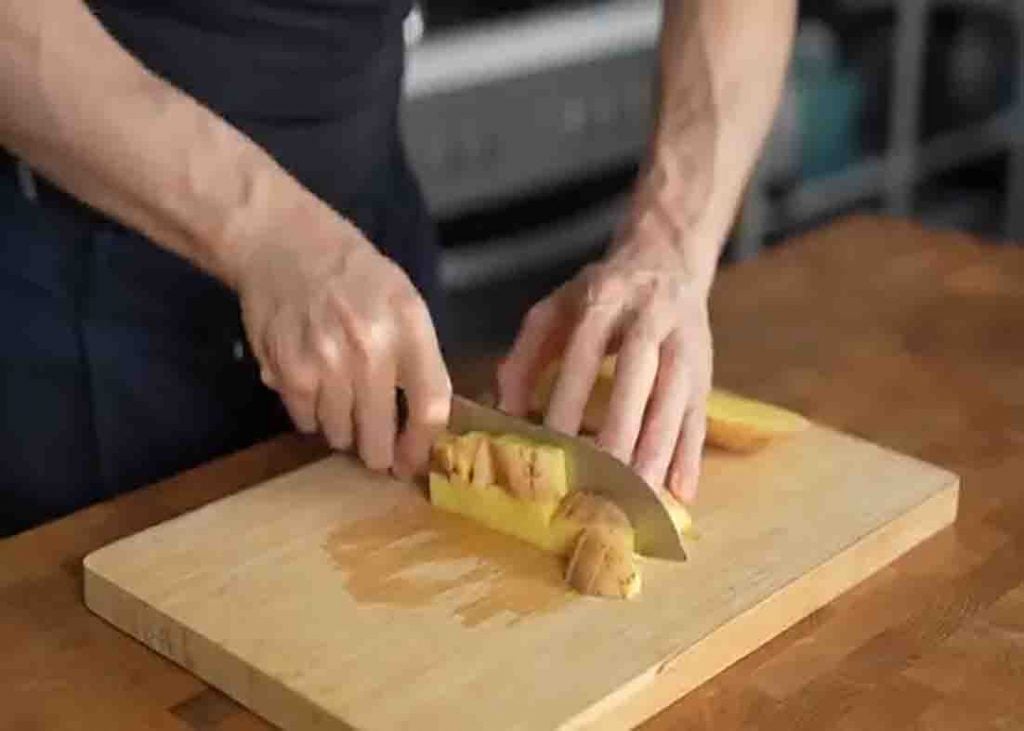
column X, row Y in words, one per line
column 334, row 598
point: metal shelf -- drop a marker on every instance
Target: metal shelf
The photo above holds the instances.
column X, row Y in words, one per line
column 866, row 5
column 815, row 198
column 908, row 160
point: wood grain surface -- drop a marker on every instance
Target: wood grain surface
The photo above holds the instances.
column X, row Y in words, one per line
column 907, row 337
column 336, row 597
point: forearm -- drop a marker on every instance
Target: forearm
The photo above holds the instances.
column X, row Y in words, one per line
column 722, row 66
column 82, row 111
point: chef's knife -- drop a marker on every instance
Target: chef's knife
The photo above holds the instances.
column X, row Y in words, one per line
column 590, row 469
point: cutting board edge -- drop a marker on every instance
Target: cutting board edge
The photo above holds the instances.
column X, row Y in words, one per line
column 170, row 639
column 667, row 682
column 637, row 700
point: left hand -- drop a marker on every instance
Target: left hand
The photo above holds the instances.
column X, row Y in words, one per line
column 641, row 302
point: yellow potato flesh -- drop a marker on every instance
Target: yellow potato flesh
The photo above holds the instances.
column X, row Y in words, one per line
column 735, row 423
column 529, row 470
column 741, row 424
column 493, row 507
column 601, row 566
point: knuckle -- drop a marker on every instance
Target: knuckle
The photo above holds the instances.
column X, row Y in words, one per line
column 432, row 405
column 434, row 409
column 299, row 382
column 410, row 308
column 605, row 288
column 370, row 339
column 327, row 349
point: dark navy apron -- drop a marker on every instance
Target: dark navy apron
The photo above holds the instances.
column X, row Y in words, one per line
column 120, row 363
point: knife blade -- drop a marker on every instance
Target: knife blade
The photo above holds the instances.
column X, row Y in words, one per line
column 590, row 469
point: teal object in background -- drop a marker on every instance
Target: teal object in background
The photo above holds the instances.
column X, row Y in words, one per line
column 829, row 108
column 829, row 101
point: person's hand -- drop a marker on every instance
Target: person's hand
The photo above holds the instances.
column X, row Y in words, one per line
column 336, row 328
column 641, row 302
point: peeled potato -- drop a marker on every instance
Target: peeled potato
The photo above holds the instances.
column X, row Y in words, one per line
column 529, row 470
column 741, row 424
column 600, row 565
column 463, row 454
column 520, row 488
column 580, row 510
column 494, row 507
column 587, row 508
column 734, row 422
column 514, row 486
column 483, row 463
column 442, row 453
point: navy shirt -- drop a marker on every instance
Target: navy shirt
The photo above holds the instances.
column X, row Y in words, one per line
column 315, row 82
column 120, row 363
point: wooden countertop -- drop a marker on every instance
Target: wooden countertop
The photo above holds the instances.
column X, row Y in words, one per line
column 910, row 338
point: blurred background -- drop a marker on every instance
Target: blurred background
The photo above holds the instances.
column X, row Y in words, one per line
column 526, row 119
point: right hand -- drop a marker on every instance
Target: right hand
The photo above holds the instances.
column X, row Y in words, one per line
column 336, row 328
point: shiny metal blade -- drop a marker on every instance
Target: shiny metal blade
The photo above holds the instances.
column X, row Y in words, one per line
column 590, row 469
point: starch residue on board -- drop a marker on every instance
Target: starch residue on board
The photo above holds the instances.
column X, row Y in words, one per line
column 415, row 556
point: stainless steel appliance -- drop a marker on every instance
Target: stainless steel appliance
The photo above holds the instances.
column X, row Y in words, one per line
column 525, row 122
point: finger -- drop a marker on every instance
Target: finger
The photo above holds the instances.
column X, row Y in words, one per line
column 255, row 324
column 428, row 392
column 684, row 474
column 537, row 344
column 664, row 417
column 374, row 383
column 335, row 401
column 266, row 354
column 296, row 373
column 580, row 365
column 334, row 406
column 635, row 373
column 327, row 333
